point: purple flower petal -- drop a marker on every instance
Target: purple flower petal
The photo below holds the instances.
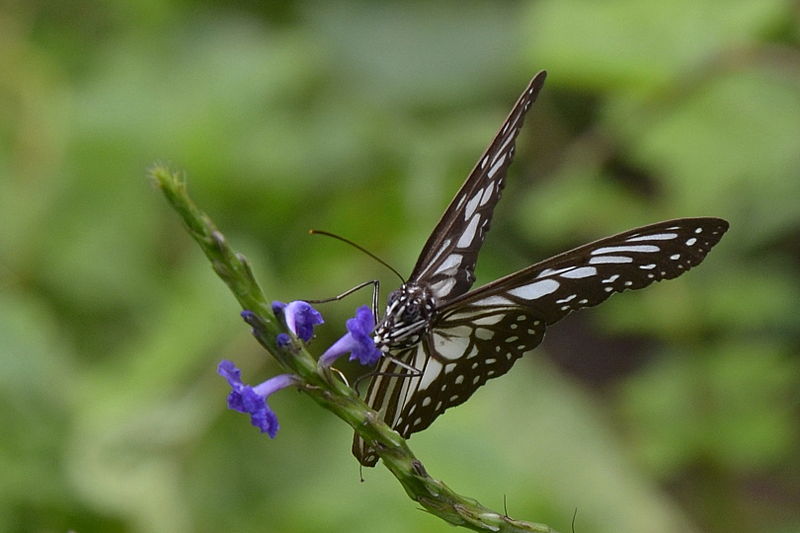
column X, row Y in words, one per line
column 360, row 328
column 277, row 308
column 253, row 400
column 228, row 370
column 299, row 316
column 301, row 319
column 358, row 341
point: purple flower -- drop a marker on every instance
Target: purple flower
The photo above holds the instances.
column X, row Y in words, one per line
column 299, row 316
column 358, row 341
column 253, row 400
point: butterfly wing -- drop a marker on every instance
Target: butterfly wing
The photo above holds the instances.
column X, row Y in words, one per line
column 480, row 335
column 387, row 393
column 447, row 261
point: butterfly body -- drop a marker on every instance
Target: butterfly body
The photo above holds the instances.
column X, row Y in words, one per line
column 444, row 341
column 409, row 314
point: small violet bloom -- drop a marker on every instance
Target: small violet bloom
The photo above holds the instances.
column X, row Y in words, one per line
column 358, row 341
column 253, row 400
column 283, row 340
column 299, row 316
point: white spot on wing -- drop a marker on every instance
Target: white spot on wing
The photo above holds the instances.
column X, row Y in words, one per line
column 469, row 233
column 507, row 141
column 653, row 237
column 451, row 348
column 487, row 193
column 484, row 334
column 578, row 273
column 553, row 271
column 535, row 290
column 494, row 300
column 488, row 320
column 497, row 166
column 458, row 331
column 610, row 259
column 453, row 261
column 642, row 248
column 443, row 287
column 471, row 206
column 432, row 371
column 443, row 248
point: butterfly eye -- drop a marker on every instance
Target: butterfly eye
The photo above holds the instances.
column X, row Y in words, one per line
column 411, row 313
column 393, row 296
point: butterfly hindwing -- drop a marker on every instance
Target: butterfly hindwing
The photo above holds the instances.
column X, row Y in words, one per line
column 447, row 261
column 468, row 347
column 384, row 394
column 452, row 362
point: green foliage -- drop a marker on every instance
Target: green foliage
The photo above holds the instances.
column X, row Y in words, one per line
column 363, row 118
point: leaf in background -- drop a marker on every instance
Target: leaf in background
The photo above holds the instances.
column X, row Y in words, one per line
column 635, row 46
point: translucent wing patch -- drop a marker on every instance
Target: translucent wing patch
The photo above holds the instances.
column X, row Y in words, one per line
column 447, row 261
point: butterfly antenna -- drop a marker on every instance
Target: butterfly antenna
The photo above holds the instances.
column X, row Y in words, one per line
column 357, row 247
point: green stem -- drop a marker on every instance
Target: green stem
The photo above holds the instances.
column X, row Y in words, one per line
column 328, row 391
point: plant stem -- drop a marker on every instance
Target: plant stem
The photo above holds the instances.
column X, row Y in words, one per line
column 321, row 385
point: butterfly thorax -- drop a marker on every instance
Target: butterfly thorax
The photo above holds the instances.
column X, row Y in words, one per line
column 409, row 315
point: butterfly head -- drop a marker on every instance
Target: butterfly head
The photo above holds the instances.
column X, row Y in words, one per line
column 409, row 314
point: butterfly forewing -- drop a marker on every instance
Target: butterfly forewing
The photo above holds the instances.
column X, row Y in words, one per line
column 447, row 261
column 587, row 275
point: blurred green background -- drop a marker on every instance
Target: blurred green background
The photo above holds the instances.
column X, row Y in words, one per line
column 672, row 409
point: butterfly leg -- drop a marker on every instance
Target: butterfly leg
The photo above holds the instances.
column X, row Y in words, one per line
column 376, row 291
column 413, row 372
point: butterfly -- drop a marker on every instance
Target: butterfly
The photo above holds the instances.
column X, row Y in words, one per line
column 443, row 341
